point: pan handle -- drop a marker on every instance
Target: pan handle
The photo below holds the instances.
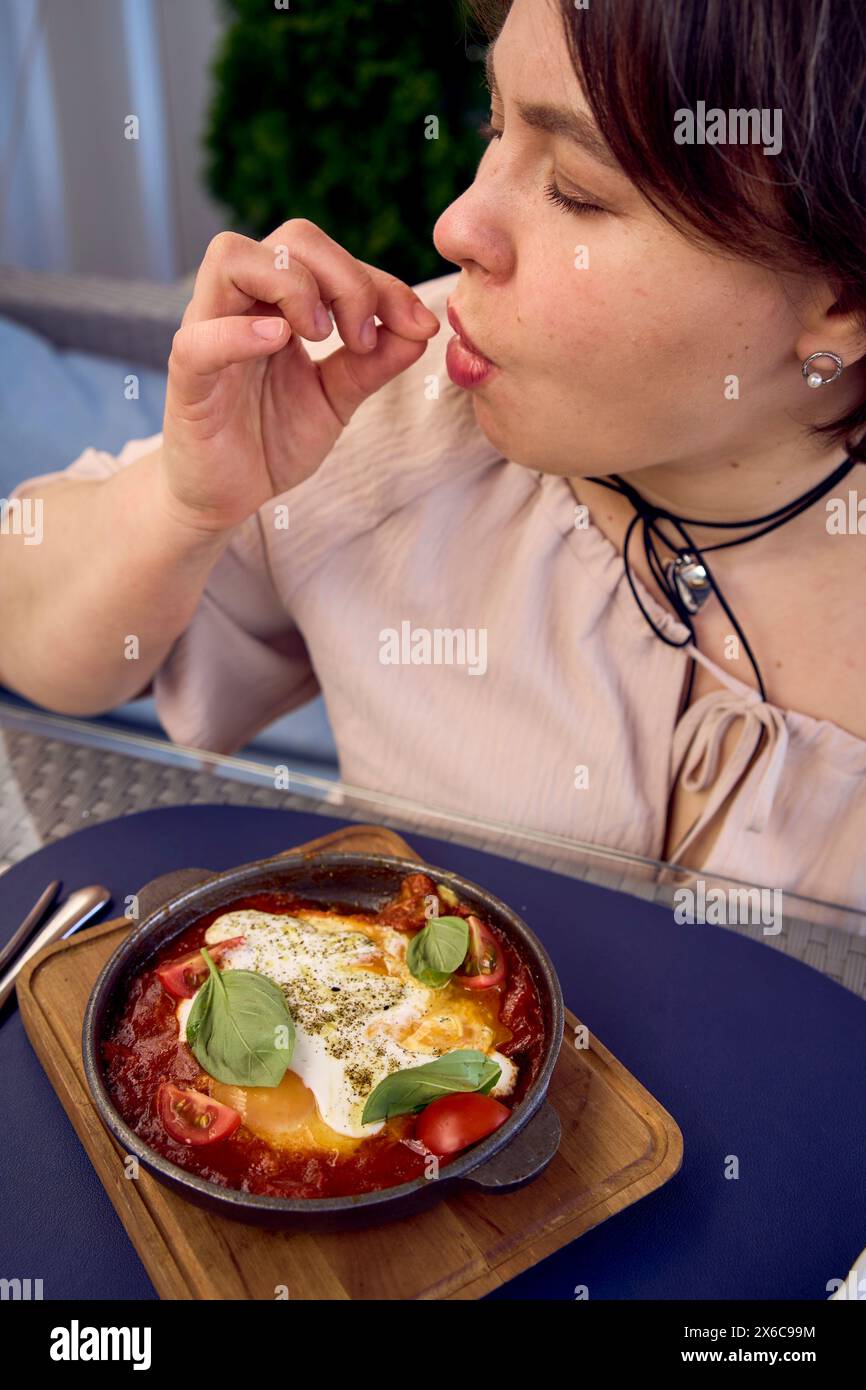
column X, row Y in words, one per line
column 524, row 1158
column 159, row 890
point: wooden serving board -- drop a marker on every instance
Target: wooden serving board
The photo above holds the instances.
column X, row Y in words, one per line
column 618, row 1144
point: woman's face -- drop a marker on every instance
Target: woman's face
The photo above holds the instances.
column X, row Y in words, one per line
column 613, row 336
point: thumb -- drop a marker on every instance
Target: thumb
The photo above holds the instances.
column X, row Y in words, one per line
column 348, row 378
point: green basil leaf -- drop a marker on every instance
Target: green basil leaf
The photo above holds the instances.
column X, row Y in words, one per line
column 487, row 1086
column 416, row 962
column 200, row 1006
column 240, row 1029
column 405, row 1092
column 446, row 943
column 433, row 979
column 437, row 950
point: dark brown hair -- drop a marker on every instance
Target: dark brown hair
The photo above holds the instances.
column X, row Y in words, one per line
column 802, row 210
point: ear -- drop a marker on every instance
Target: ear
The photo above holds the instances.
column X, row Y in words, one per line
column 828, row 327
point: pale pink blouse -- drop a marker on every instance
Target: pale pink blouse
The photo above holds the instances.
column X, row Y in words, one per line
column 568, row 723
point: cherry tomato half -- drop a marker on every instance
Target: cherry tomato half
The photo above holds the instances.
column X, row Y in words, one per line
column 484, row 965
column 191, row 1117
column 183, row 977
column 453, row 1122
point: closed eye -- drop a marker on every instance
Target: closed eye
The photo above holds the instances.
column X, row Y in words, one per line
column 578, row 206
column 562, row 200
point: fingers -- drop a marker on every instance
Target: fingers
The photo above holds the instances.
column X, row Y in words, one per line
column 201, row 350
column 302, row 271
column 352, row 289
column 399, row 307
column 252, row 299
column 345, row 285
column 237, row 272
column 348, row 378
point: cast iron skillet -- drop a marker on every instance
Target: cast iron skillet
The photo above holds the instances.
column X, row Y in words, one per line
column 514, row 1154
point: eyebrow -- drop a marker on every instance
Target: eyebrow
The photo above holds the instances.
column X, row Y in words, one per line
column 557, row 120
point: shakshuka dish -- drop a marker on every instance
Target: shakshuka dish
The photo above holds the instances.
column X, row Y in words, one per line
column 294, row 1050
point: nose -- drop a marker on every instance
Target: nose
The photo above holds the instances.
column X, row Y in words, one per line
column 471, row 231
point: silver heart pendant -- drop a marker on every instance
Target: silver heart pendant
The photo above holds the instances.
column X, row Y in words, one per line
column 691, row 580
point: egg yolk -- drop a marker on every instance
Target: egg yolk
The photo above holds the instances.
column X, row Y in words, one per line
column 269, row 1110
column 286, row 1115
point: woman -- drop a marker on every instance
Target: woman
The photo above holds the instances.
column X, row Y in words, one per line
column 643, row 295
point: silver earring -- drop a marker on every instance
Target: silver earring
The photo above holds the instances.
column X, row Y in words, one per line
column 814, row 378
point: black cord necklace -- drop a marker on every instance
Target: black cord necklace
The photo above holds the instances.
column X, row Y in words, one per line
column 687, row 579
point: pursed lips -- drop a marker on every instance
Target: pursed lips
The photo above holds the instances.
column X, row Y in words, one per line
column 456, row 324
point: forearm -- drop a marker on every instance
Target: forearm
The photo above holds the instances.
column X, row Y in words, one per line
column 91, row 611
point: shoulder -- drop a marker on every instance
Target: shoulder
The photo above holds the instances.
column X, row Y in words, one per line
column 413, row 435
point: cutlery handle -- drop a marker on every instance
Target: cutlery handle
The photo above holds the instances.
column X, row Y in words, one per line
column 34, row 916
column 79, row 906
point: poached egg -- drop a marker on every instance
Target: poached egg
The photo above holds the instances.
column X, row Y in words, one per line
column 359, row 1014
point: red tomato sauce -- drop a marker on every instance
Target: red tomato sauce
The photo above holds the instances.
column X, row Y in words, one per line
column 142, row 1049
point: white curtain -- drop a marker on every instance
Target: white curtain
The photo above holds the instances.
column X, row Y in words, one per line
column 75, row 194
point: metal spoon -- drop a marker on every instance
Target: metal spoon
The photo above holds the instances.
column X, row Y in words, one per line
column 79, row 907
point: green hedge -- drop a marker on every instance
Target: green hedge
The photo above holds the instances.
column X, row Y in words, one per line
column 321, row 111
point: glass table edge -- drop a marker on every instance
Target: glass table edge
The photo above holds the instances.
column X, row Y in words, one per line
column 335, row 794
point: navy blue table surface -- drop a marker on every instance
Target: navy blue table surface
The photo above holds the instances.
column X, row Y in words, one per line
column 759, row 1059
